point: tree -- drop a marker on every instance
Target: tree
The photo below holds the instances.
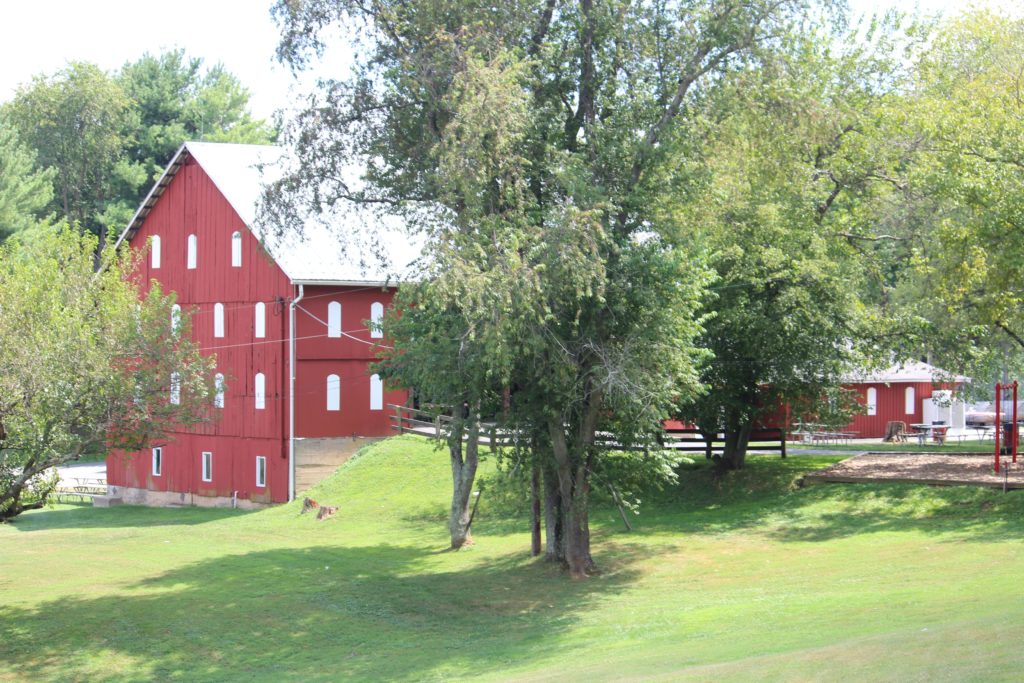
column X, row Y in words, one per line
column 968, row 110
column 522, row 138
column 78, row 122
column 176, row 101
column 86, row 365
column 25, row 189
column 789, row 172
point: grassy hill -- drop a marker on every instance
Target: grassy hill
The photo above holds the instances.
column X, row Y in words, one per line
column 739, row 578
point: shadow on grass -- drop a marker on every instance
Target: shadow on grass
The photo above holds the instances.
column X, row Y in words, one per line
column 764, row 498
column 323, row 613
column 85, row 516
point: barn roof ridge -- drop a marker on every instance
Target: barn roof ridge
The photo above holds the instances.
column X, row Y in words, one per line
column 374, row 249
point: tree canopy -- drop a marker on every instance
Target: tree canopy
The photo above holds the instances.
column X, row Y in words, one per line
column 86, row 364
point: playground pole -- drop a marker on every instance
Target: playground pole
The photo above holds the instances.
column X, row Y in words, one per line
column 999, row 421
column 1013, row 431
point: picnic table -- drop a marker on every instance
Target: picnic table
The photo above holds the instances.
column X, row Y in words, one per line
column 81, row 487
column 937, row 433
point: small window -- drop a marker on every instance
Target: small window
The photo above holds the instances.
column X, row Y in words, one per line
column 333, row 392
column 193, row 248
column 158, row 461
column 376, row 393
column 175, row 318
column 175, row 388
column 872, row 401
column 236, row 250
column 260, row 327
column 218, row 320
column 207, row 466
column 261, row 471
column 334, row 319
column 218, row 400
column 909, row 401
column 376, row 320
column 260, row 391
column 154, row 251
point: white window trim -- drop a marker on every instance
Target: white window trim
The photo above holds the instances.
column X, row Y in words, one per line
column 236, row 249
column 333, row 397
column 158, row 461
column 260, row 317
column 218, row 320
column 218, row 399
column 175, row 318
column 334, row 319
column 376, row 320
column 207, row 465
column 175, row 398
column 910, row 401
column 154, row 251
column 261, row 460
column 192, row 256
column 376, row 393
column 871, row 399
column 260, row 390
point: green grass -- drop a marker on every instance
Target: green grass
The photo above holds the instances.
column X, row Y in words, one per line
column 741, row 577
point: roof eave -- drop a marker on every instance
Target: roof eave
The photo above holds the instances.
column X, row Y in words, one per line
column 158, row 188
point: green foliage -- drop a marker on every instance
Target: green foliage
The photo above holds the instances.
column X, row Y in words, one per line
column 25, row 189
column 86, row 364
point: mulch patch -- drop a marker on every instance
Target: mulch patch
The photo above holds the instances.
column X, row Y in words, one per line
column 954, row 469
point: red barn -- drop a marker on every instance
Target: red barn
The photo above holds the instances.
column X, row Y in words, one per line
column 291, row 321
column 904, row 393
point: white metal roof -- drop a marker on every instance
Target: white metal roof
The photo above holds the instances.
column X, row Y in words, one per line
column 358, row 247
column 910, row 371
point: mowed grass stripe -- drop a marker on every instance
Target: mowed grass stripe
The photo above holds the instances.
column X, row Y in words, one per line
column 733, row 578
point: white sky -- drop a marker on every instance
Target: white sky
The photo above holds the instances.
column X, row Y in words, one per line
column 40, row 36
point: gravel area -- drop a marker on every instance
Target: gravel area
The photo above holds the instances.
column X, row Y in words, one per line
column 926, row 468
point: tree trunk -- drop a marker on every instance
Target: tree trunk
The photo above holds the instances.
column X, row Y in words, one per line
column 737, row 436
column 535, row 538
column 573, row 489
column 464, row 459
column 553, row 545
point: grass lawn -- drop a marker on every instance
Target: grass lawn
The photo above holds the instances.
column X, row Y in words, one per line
column 740, row 578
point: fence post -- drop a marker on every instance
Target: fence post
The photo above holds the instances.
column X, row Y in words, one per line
column 437, row 427
column 398, row 419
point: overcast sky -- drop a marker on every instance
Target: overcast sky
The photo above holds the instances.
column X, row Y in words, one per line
column 40, row 36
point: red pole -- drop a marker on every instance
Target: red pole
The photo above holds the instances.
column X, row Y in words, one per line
column 1013, row 431
column 999, row 422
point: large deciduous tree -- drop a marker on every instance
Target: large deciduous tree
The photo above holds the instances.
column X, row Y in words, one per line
column 522, row 138
column 86, row 365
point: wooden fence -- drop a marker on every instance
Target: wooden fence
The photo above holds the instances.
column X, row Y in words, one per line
column 432, row 424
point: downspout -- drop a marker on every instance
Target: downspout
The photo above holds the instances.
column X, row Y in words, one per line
column 291, row 393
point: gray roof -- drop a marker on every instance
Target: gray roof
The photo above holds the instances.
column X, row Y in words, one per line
column 910, row 371
column 358, row 246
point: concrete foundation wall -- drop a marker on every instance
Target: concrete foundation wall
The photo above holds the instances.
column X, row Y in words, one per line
column 135, row 496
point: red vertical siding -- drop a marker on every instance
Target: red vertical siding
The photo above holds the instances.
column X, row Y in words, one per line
column 347, row 356
column 191, row 204
column 891, row 406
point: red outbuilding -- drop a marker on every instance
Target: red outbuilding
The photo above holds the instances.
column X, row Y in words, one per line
column 911, row 392
column 292, row 321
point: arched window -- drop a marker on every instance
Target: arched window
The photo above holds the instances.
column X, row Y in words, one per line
column 872, row 401
column 909, row 401
column 218, row 400
column 334, row 319
column 236, row 249
column 376, row 320
column 260, row 391
column 333, row 392
column 376, row 393
column 175, row 318
column 260, row 317
column 154, row 251
column 175, row 388
column 193, row 248
column 218, row 320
